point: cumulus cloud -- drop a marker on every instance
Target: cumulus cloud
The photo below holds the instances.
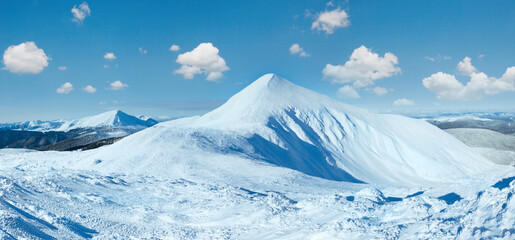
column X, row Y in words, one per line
column 403, row 102
column 62, row 68
column 447, row 87
column 81, row 12
column 203, row 59
column 328, row 21
column 347, row 91
column 380, row 91
column 175, row 48
column 363, row 68
column 465, row 67
column 142, row 51
column 65, row 88
column 89, row 89
column 109, row 56
column 25, row 58
column 118, row 85
column 296, row 49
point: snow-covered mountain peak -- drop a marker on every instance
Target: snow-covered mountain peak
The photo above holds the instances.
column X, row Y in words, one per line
column 269, row 82
column 270, row 95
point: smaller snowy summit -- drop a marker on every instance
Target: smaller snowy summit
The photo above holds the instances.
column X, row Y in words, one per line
column 72, row 134
column 111, row 119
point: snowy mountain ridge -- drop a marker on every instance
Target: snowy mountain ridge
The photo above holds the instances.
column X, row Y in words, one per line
column 110, row 119
column 115, row 118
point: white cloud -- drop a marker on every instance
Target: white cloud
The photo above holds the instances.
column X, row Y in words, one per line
column 481, row 56
column 438, row 57
column 465, row 67
column 25, row 58
column 81, row 12
column 89, row 89
column 448, row 87
column 102, row 103
column 65, row 88
column 347, row 91
column 304, row 54
column 328, row 21
column 118, row 85
column 106, row 66
column 380, row 91
column 62, row 68
column 203, row 59
column 403, row 102
column 296, row 49
column 109, row 56
column 363, row 68
column 175, row 48
column 143, row 51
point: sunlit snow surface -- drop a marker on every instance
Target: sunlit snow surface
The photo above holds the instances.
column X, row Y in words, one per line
column 263, row 166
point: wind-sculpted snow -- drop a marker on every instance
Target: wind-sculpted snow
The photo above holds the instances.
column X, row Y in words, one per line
column 69, row 204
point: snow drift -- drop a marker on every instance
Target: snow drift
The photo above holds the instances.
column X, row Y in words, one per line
column 277, row 122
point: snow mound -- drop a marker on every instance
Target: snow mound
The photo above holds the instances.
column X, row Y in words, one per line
column 274, row 121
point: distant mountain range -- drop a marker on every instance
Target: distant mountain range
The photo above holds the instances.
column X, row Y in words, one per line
column 71, row 135
column 505, row 125
column 111, row 119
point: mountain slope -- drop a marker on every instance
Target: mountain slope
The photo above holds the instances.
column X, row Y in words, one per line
column 277, row 122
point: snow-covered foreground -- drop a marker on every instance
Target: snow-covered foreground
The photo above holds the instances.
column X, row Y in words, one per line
column 277, row 161
column 68, row 204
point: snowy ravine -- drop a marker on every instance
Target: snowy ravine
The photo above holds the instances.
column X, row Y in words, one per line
column 277, row 161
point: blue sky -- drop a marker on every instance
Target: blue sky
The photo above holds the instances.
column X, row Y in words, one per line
column 253, row 38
